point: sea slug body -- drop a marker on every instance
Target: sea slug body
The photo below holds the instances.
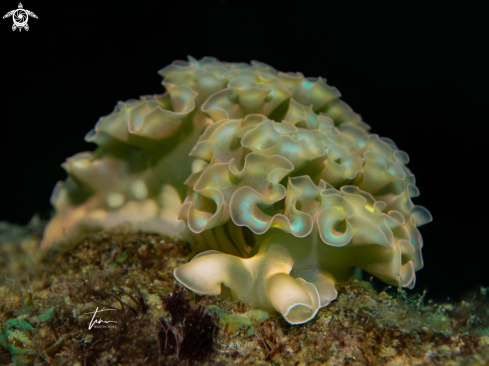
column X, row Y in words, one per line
column 274, row 180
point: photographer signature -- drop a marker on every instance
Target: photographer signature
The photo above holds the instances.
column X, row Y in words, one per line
column 99, row 320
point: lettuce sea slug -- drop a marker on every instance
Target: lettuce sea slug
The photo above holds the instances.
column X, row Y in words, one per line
column 274, row 180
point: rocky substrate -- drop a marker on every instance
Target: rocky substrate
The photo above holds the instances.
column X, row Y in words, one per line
column 48, row 299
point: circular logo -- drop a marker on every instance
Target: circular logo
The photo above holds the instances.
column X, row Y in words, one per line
column 20, row 17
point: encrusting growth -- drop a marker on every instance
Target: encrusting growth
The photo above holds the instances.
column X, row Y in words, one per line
column 274, row 180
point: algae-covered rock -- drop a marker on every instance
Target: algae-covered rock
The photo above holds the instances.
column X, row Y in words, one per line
column 46, row 311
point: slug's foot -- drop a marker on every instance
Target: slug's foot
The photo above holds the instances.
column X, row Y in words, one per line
column 265, row 286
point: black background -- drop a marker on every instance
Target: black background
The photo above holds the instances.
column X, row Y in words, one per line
column 416, row 74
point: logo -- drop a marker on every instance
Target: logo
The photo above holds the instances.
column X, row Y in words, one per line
column 20, row 17
column 100, row 323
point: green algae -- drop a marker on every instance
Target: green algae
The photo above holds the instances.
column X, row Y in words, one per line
column 21, row 329
column 239, row 323
column 47, row 315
